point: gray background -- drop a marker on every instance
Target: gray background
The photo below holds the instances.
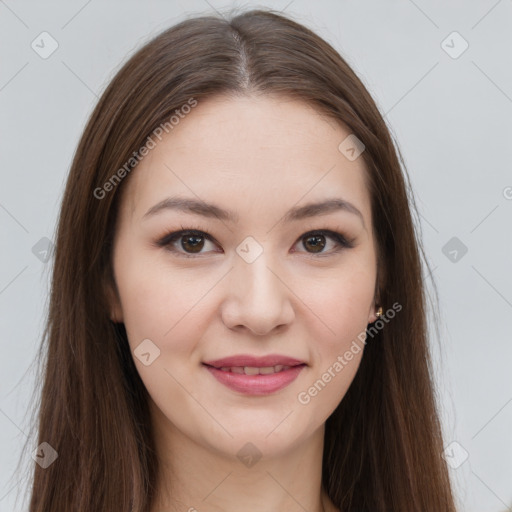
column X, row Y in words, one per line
column 449, row 113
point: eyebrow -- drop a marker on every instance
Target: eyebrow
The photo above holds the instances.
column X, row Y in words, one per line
column 198, row 207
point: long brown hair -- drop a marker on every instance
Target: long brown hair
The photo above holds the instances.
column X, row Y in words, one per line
column 383, row 443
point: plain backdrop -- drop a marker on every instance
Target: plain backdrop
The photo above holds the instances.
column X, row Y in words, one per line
column 441, row 74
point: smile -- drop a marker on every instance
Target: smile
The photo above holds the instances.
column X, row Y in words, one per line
column 253, row 370
column 250, row 380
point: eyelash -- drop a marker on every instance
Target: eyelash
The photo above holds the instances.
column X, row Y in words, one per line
column 167, row 240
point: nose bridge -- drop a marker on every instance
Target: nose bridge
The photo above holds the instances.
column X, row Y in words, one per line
column 257, row 280
column 258, row 298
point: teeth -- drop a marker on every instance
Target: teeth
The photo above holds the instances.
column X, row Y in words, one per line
column 252, row 370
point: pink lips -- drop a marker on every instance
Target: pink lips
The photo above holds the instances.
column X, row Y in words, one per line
column 255, row 375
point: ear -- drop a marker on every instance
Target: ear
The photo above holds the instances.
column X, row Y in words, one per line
column 372, row 317
column 379, row 283
column 115, row 311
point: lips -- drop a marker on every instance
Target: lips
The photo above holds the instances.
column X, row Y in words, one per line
column 255, row 375
column 255, row 370
column 243, row 361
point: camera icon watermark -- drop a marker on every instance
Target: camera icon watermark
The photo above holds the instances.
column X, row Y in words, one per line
column 45, row 455
column 146, row 352
column 249, row 455
column 351, row 147
column 44, row 45
column 454, row 45
column 249, row 249
column 43, row 249
column 455, row 455
column 454, row 249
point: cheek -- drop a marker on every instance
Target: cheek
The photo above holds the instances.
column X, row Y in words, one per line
column 342, row 300
column 338, row 343
column 343, row 304
column 155, row 301
column 161, row 306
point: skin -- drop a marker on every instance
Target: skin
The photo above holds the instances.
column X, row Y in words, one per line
column 258, row 156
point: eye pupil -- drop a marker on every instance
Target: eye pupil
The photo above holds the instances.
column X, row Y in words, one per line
column 318, row 242
column 196, row 245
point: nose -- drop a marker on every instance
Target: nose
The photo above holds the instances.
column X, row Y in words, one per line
column 259, row 299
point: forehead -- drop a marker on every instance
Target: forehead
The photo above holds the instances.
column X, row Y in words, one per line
column 241, row 152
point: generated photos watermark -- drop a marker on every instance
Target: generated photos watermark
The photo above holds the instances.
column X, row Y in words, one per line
column 304, row 397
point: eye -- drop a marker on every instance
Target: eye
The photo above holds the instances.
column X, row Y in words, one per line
column 187, row 242
column 318, row 240
column 191, row 242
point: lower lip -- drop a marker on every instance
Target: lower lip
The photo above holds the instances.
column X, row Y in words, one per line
column 256, row 384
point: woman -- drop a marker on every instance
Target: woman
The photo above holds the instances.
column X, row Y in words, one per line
column 237, row 316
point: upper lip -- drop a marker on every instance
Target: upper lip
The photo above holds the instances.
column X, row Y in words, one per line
column 254, row 361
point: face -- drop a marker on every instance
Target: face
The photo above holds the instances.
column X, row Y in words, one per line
column 255, row 273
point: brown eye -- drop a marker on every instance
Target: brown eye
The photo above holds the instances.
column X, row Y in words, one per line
column 325, row 242
column 187, row 243
column 315, row 242
column 192, row 243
